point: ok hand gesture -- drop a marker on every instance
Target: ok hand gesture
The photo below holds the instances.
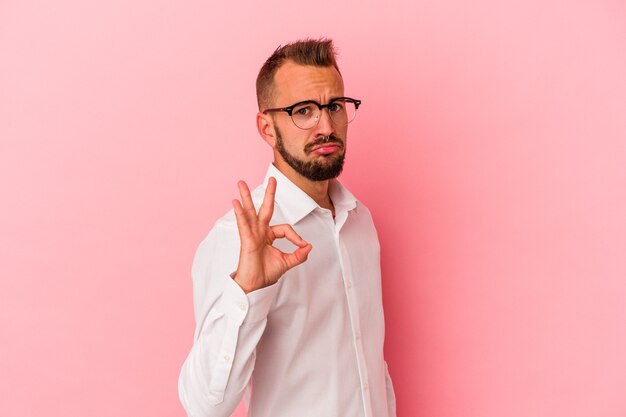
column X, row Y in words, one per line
column 261, row 264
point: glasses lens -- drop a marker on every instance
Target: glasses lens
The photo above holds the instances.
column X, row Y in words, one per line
column 306, row 115
column 342, row 112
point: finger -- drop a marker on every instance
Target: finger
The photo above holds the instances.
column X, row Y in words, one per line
column 267, row 208
column 298, row 256
column 286, row 231
column 246, row 198
column 242, row 222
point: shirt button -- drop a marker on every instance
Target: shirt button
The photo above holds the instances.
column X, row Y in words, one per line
column 366, row 387
column 242, row 306
column 357, row 335
column 226, row 358
column 349, row 284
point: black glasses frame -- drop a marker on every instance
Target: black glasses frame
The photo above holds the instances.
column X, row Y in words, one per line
column 289, row 109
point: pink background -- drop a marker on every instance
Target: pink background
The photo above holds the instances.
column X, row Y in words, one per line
column 491, row 149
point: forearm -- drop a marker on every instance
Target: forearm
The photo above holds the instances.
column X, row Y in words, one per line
column 218, row 368
column 220, row 363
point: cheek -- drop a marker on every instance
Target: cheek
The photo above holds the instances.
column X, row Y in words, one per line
column 342, row 132
column 297, row 140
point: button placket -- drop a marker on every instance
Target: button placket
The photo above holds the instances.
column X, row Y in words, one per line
column 351, row 298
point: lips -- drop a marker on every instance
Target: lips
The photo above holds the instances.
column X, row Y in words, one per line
column 326, row 149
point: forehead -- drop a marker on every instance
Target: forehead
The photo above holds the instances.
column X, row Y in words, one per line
column 294, row 82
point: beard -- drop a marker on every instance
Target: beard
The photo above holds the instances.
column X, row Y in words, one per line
column 320, row 170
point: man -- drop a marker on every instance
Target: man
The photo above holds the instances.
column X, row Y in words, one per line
column 301, row 329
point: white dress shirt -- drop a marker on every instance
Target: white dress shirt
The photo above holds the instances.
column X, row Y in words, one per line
column 309, row 345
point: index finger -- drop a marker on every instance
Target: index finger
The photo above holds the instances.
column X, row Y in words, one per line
column 246, row 198
column 267, row 208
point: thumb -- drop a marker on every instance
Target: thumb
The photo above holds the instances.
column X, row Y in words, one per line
column 299, row 256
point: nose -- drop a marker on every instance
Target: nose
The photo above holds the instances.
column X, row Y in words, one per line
column 325, row 125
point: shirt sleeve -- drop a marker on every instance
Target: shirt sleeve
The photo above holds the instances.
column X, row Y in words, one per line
column 391, row 396
column 229, row 325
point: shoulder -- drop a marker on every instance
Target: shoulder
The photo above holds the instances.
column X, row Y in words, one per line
column 362, row 208
column 362, row 219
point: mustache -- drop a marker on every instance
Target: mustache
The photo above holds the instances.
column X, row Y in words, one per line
column 321, row 141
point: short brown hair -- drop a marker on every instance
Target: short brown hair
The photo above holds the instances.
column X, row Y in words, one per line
column 316, row 52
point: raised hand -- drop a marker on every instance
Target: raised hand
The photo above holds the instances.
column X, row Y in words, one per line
column 261, row 264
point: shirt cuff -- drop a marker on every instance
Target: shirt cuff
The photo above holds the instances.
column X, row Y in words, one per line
column 247, row 308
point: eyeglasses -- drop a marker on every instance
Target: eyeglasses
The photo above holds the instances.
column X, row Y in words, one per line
column 307, row 114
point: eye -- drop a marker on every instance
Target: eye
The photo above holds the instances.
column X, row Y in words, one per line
column 303, row 110
column 336, row 106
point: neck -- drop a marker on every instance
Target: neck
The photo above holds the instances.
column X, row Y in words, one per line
column 317, row 190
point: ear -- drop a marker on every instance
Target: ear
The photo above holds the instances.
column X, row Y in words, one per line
column 265, row 126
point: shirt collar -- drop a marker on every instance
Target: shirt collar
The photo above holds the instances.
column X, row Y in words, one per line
column 296, row 204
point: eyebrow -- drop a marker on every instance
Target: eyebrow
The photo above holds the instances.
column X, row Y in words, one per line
column 315, row 101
